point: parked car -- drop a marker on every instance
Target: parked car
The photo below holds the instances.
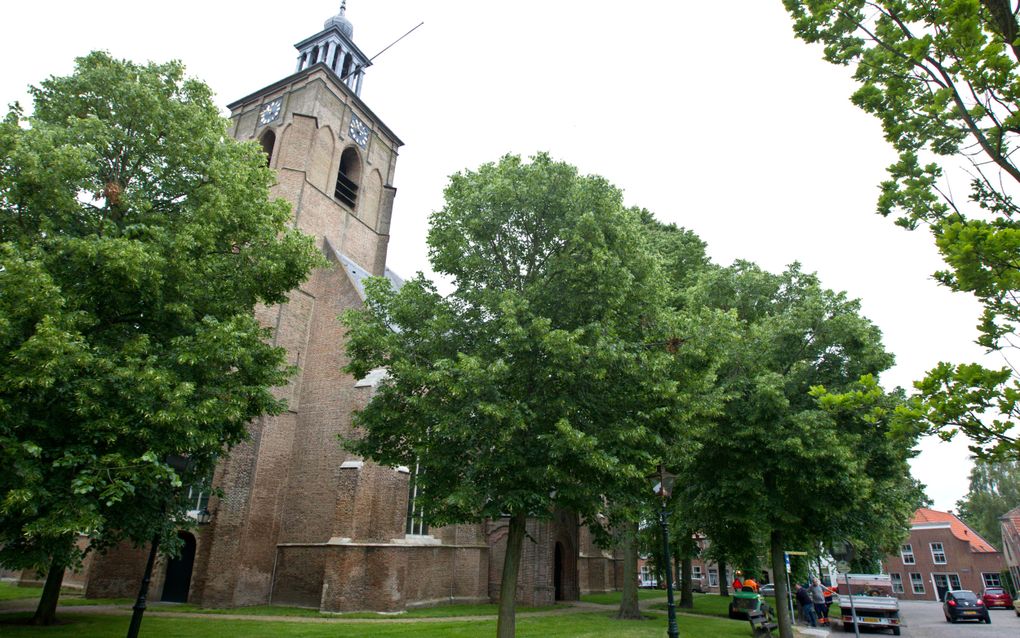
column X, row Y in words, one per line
column 768, row 589
column 997, row 597
column 963, row 604
column 1016, row 606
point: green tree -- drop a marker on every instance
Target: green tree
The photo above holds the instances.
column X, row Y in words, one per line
column 778, row 468
column 136, row 239
column 994, row 490
column 678, row 394
column 519, row 392
column 942, row 78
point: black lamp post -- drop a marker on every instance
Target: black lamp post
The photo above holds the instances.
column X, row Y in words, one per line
column 203, row 516
column 663, row 489
column 180, row 465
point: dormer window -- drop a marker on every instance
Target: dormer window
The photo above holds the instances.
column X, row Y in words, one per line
column 348, row 177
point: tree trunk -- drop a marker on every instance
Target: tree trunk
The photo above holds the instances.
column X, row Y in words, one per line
column 629, row 609
column 46, row 611
column 782, row 592
column 506, row 624
column 687, row 586
column 724, row 581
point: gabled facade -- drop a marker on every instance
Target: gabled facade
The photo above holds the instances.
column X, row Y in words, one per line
column 941, row 554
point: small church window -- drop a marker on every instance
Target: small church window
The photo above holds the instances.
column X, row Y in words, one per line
column 268, row 140
column 348, row 177
column 415, row 516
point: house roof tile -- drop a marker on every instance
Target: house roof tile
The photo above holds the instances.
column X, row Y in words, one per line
column 959, row 528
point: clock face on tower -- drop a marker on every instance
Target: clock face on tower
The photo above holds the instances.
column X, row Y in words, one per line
column 270, row 111
column 358, row 131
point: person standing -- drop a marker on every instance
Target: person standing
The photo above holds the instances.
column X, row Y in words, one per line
column 807, row 608
column 817, row 593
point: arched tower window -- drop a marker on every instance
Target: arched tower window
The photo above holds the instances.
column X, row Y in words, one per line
column 347, row 177
column 268, row 141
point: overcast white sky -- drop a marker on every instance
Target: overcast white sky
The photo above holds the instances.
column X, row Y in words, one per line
column 709, row 114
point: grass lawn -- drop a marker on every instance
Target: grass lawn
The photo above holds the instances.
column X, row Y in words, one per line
column 710, row 605
column 67, row 597
column 566, row 626
column 442, row 611
column 613, row 597
column 9, row 591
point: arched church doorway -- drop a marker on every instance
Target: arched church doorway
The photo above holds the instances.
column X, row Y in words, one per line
column 558, row 571
column 178, row 572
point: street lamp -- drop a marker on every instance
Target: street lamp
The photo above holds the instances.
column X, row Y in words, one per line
column 203, row 516
column 180, row 464
column 663, row 488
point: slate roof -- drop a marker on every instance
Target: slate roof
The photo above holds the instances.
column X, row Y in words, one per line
column 358, row 274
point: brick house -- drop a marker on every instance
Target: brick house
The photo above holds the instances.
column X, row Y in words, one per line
column 941, row 554
column 705, row 573
column 303, row 521
column 1010, row 523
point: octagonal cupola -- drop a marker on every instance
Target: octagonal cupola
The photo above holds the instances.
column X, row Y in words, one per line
column 334, row 48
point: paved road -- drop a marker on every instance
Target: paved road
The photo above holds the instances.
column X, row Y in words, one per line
column 925, row 620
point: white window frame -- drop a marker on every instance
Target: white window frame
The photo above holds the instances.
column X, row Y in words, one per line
column 907, row 550
column 648, row 576
column 936, row 553
column 897, row 583
column 696, row 572
column 917, row 584
column 995, row 576
column 713, row 577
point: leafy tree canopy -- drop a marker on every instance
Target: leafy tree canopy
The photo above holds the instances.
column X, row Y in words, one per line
column 802, row 453
column 136, row 239
column 994, row 490
column 942, row 78
column 508, row 389
column 528, row 388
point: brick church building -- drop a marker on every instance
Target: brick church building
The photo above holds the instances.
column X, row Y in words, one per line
column 302, row 521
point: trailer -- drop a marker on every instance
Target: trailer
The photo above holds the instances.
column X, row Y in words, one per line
column 868, row 598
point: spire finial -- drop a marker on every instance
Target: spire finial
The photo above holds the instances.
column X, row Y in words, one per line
column 340, row 20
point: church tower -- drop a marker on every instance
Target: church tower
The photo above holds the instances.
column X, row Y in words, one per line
column 293, row 498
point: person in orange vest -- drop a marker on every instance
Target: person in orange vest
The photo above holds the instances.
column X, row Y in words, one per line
column 750, row 585
column 829, row 593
